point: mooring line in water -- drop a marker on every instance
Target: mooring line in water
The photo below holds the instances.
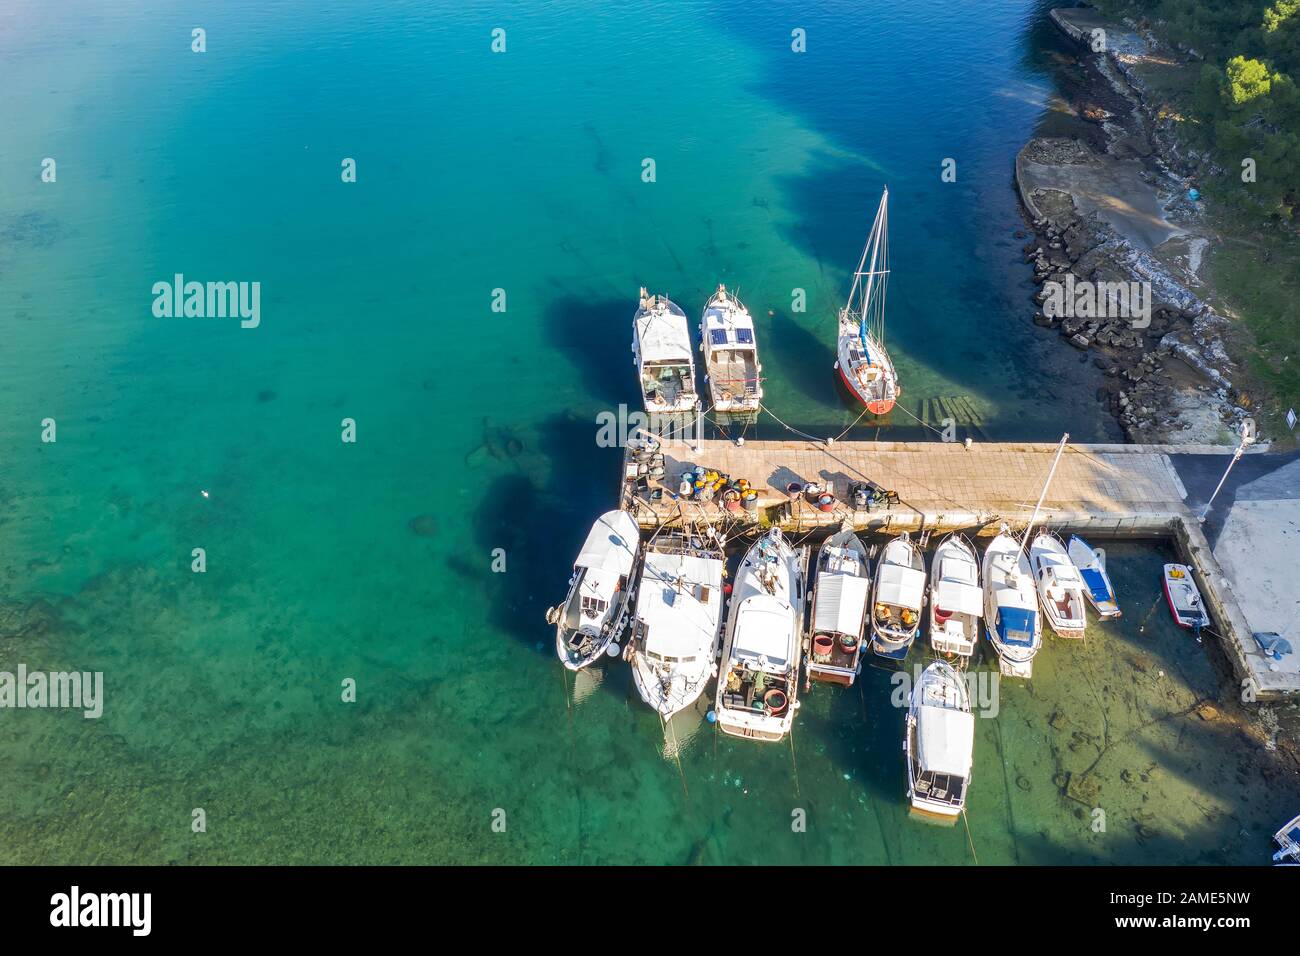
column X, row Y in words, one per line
column 1143, row 626
column 677, row 754
column 968, row 836
column 795, row 764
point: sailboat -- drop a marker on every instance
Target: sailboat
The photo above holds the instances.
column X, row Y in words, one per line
column 731, row 366
column 1060, row 587
column 759, row 683
column 863, row 363
column 595, row 612
column 899, row 594
column 1011, row 617
column 956, row 601
column 841, row 587
column 678, row 617
column 664, row 356
column 1097, row 587
column 940, row 742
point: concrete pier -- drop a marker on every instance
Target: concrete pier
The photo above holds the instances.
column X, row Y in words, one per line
column 1100, row 491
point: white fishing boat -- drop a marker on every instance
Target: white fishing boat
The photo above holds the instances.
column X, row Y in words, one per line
column 863, row 363
column 1288, row 838
column 1011, row 617
column 678, row 618
column 664, row 356
column 897, row 598
column 840, row 591
column 595, row 613
column 1097, row 587
column 1060, row 586
column 1184, row 599
column 759, row 681
column 956, row 600
column 1011, row 606
column 731, row 367
column 940, row 742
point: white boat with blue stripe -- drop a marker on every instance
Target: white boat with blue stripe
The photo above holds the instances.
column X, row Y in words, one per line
column 1092, row 568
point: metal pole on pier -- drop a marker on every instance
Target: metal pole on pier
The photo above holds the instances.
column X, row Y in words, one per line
column 1247, row 438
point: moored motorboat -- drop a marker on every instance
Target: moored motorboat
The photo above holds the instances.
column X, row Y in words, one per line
column 841, row 586
column 731, row 367
column 678, row 617
column 897, row 598
column 1011, row 606
column 956, row 601
column 1184, row 598
column 664, row 356
column 863, row 363
column 595, row 613
column 940, row 742
column 1288, row 838
column 1092, row 568
column 1060, row 586
column 758, row 683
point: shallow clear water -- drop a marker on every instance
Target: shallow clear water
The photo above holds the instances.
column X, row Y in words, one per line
column 475, row 429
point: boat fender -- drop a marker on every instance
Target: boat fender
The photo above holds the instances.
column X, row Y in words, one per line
column 552, row 615
column 613, row 649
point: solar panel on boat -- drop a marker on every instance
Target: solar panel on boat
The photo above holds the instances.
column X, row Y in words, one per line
column 745, row 336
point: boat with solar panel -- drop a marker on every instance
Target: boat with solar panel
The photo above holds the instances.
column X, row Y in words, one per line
column 863, row 363
column 664, row 356
column 731, row 367
column 841, row 589
column 1096, row 582
column 1060, row 586
column 956, row 601
column 897, row 597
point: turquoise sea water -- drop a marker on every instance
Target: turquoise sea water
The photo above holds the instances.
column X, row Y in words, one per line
column 475, row 430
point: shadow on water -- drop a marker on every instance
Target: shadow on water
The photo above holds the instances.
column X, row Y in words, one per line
column 596, row 336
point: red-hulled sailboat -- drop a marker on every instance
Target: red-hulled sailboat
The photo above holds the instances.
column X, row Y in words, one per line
column 863, row 363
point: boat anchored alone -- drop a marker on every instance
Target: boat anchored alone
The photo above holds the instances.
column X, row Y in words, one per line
column 664, row 356
column 595, row 613
column 1097, row 587
column 1184, row 598
column 940, row 742
column 678, row 616
column 863, row 363
column 731, row 366
column 759, row 684
column 1288, row 838
column 841, row 588
column 1060, row 587
column 956, row 601
column 899, row 594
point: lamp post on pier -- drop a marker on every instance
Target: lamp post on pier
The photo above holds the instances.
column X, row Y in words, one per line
column 1247, row 439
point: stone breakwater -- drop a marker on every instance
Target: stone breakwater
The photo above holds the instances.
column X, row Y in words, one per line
column 1118, row 214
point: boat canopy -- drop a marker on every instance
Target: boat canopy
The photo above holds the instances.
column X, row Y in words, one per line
column 841, row 603
column 1060, row 569
column 945, row 740
column 680, row 603
column 1016, row 626
column 901, row 587
column 1096, row 582
column 664, row 337
column 611, row 544
column 762, row 630
column 960, row 597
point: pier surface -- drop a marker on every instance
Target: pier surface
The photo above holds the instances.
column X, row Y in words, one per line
column 1100, row 491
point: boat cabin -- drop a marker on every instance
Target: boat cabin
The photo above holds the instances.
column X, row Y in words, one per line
column 839, row 610
column 958, row 606
column 899, row 594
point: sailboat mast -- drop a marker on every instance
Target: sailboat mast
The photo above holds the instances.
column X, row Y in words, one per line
column 1034, row 517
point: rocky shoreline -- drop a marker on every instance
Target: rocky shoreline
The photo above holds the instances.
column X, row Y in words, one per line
column 1111, row 206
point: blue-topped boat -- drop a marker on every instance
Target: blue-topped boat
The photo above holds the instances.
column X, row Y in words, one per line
column 1097, row 587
